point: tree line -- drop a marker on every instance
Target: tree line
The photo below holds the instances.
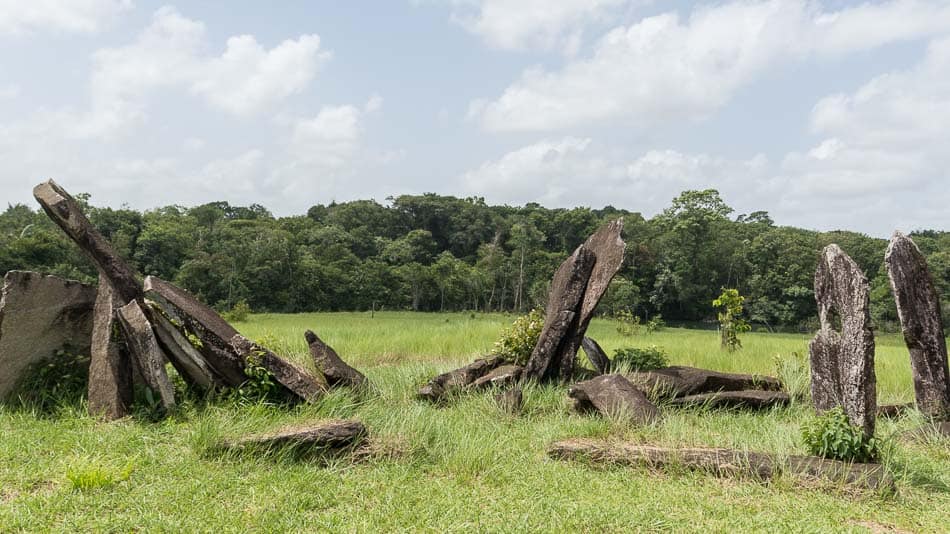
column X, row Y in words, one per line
column 440, row 253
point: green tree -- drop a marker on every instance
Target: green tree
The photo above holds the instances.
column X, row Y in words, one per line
column 731, row 323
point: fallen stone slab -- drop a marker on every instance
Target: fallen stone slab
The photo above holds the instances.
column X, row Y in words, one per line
column 681, row 381
column 893, row 411
column 502, row 376
column 110, row 367
column 66, row 213
column 842, row 363
column 750, row 399
column 145, row 349
column 723, row 462
column 511, row 401
column 322, row 437
column 336, row 371
column 295, row 379
column 444, row 384
column 212, row 333
column 598, row 358
column 918, row 307
column 189, row 362
column 614, row 396
column 40, row 315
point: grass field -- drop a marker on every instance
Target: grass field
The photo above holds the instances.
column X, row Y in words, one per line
column 465, row 467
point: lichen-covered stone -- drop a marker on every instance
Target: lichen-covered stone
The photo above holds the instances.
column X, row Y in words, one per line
column 110, row 366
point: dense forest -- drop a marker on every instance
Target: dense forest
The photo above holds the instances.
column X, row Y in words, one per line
column 430, row 252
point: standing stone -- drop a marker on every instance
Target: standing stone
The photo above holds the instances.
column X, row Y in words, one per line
column 66, row 213
column 918, row 306
column 336, row 371
column 842, row 364
column 596, row 355
column 511, row 401
column 186, row 359
column 110, row 368
column 40, row 315
column 144, row 347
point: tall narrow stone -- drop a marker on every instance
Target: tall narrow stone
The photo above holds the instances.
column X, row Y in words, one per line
column 336, row 371
column 918, row 306
column 110, row 369
column 144, row 347
column 842, row 364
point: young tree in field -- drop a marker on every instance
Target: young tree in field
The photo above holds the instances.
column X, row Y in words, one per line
column 731, row 323
column 525, row 238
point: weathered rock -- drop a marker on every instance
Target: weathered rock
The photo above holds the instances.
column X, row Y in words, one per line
column 752, row 399
column 511, row 401
column 680, row 381
column 893, row 411
column 934, row 430
column 560, row 321
column 325, row 436
column 608, row 248
column 196, row 319
column 294, row 378
column 842, row 365
column 596, row 355
column 918, row 306
column 503, row 376
column 446, row 383
column 614, row 396
column 723, row 462
column 183, row 355
column 40, row 315
column 336, row 371
column 144, row 348
column 66, row 213
column 110, row 366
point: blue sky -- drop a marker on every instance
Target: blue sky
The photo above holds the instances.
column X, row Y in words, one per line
column 827, row 114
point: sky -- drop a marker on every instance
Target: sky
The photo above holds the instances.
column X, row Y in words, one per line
column 828, row 114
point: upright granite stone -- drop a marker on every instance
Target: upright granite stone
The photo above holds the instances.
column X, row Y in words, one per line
column 918, row 306
column 336, row 371
column 144, row 348
column 38, row 316
column 110, row 367
column 596, row 355
column 193, row 318
column 66, row 213
column 842, row 364
column 293, row 378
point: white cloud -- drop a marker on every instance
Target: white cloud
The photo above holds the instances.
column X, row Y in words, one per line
column 9, row 91
column 664, row 68
column 524, row 24
column 67, row 16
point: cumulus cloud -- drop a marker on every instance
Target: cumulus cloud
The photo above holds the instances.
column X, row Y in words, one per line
column 666, row 67
column 66, row 16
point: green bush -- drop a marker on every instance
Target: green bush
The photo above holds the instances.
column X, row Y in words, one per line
column 656, row 323
column 60, row 380
column 832, row 436
column 518, row 340
column 628, row 324
column 238, row 313
column 639, row 359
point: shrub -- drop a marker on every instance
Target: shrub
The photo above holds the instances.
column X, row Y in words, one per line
column 656, row 323
column 638, row 359
column 628, row 324
column 518, row 340
column 238, row 313
column 59, row 380
column 731, row 323
column 831, row 435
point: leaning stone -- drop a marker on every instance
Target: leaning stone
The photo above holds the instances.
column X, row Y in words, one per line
column 560, row 321
column 66, row 213
column 336, row 371
column 144, row 347
column 680, row 381
column 614, row 396
column 110, row 366
column 323, row 437
column 842, row 365
column 211, row 331
column 503, row 376
column 757, row 400
column 446, row 383
column 723, row 462
column 190, row 364
column 292, row 377
column 596, row 355
column 511, row 401
column 40, row 315
column 918, row 306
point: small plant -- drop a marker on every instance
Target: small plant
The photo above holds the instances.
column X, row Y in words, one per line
column 731, row 323
column 832, row 436
column 260, row 384
column 518, row 340
column 638, row 359
column 238, row 313
column 656, row 323
column 628, row 324
column 87, row 477
column 61, row 379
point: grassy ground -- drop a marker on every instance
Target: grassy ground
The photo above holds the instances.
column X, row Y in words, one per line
column 464, row 467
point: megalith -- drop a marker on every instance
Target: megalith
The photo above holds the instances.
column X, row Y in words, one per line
column 842, row 363
column 110, row 366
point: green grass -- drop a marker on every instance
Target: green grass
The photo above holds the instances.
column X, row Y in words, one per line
column 464, row 467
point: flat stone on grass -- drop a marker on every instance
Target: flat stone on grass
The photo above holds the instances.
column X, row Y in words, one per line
column 321, row 437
